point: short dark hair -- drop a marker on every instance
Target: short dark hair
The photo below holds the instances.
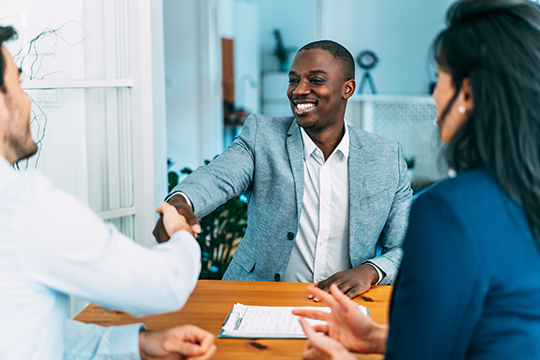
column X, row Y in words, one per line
column 6, row 33
column 496, row 45
column 339, row 53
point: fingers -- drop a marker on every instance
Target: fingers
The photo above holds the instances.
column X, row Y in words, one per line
column 342, row 299
column 337, row 293
column 310, row 333
column 204, row 338
column 196, row 342
column 337, row 279
column 172, row 220
column 321, row 347
column 211, row 351
column 165, row 207
column 346, row 288
column 319, row 294
column 325, row 284
column 321, row 328
column 312, row 314
column 159, row 231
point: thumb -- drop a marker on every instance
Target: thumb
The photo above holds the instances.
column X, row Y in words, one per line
column 164, row 207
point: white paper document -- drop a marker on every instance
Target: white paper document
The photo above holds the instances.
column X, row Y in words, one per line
column 246, row 321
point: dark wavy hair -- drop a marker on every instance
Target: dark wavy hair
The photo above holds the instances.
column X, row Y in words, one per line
column 338, row 51
column 496, row 45
column 6, row 33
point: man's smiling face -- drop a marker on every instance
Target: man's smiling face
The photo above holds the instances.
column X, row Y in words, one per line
column 318, row 90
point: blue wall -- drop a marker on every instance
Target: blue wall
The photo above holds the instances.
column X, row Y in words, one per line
column 399, row 32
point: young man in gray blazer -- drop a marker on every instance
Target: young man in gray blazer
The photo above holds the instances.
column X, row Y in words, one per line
column 321, row 193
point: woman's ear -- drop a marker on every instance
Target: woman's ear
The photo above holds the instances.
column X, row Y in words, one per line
column 466, row 95
column 350, row 86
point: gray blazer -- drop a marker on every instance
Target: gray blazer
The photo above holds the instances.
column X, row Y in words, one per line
column 266, row 162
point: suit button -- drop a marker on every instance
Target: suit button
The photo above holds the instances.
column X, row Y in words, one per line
column 290, row 236
column 277, row 277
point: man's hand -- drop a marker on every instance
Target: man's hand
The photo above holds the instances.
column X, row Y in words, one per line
column 346, row 323
column 322, row 347
column 182, row 342
column 184, row 209
column 352, row 282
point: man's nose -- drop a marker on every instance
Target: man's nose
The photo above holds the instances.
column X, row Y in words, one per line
column 302, row 88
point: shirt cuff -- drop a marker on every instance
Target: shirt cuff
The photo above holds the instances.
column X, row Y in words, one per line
column 125, row 340
column 180, row 193
column 90, row 341
column 379, row 272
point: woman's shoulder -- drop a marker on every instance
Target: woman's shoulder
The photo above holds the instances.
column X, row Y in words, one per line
column 465, row 186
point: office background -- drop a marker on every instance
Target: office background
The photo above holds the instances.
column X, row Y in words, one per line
column 120, row 86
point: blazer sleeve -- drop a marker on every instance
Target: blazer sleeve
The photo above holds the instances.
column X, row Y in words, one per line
column 225, row 177
column 393, row 233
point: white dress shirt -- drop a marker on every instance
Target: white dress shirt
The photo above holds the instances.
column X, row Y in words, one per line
column 52, row 245
column 321, row 247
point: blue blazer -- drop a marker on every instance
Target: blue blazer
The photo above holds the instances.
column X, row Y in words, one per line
column 266, row 161
column 469, row 283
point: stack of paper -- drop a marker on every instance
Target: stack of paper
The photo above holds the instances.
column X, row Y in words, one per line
column 246, row 321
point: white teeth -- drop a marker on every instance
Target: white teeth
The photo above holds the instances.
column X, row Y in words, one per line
column 304, row 106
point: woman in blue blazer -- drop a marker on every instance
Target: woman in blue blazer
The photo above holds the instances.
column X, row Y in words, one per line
column 469, row 283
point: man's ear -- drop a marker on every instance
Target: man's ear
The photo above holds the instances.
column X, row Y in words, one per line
column 349, row 88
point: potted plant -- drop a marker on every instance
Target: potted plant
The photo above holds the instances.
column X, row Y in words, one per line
column 281, row 52
column 410, row 166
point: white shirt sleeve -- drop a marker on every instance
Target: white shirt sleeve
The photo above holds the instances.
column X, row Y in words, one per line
column 90, row 341
column 66, row 246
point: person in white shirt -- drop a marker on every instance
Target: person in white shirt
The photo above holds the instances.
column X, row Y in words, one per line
column 44, row 259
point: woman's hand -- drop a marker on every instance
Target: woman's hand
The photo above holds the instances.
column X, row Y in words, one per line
column 346, row 323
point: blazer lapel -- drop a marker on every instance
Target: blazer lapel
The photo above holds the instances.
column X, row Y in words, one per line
column 295, row 149
column 357, row 170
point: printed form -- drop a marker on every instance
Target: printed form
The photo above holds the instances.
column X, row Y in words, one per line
column 246, row 321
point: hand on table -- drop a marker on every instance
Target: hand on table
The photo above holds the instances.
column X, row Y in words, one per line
column 161, row 231
column 322, row 347
column 352, row 282
column 181, row 342
column 346, row 323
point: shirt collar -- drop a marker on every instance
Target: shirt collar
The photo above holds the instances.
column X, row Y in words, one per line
column 310, row 147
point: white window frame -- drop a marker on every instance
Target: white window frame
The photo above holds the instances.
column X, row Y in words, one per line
column 144, row 115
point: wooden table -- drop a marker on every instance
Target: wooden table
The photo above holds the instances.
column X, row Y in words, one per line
column 212, row 300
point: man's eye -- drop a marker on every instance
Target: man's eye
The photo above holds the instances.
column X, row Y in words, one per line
column 293, row 81
column 316, row 81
